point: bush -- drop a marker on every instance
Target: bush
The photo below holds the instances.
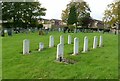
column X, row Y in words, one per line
column 40, row 26
column 71, row 27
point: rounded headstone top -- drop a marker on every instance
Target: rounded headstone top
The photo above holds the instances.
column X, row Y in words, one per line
column 77, row 1
column 86, row 37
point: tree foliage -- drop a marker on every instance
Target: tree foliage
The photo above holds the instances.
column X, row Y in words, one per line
column 22, row 14
column 82, row 9
column 84, row 20
column 65, row 14
column 112, row 13
column 72, row 17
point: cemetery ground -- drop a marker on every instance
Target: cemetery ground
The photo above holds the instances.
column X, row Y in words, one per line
column 0, row 58
column 100, row 63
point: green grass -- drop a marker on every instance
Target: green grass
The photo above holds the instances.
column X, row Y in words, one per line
column 100, row 63
column 0, row 58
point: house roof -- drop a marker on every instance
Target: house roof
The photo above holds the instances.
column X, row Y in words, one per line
column 56, row 19
column 99, row 21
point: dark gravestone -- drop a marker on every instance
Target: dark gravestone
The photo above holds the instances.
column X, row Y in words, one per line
column 9, row 32
column 118, row 26
column 2, row 33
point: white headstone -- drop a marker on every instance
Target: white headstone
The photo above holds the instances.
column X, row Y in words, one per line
column 62, row 42
column 60, row 52
column 59, row 29
column 26, row 46
column 85, row 48
column 101, row 41
column 69, row 39
column 76, row 46
column 62, row 39
column 41, row 46
column 75, row 30
column 5, row 31
column 51, row 41
column 95, row 42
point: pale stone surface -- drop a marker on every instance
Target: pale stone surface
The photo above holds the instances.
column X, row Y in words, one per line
column 51, row 41
column 75, row 30
column 69, row 39
column 41, row 46
column 62, row 39
column 26, row 46
column 85, row 48
column 59, row 29
column 60, row 52
column 95, row 42
column 76, row 46
column 101, row 41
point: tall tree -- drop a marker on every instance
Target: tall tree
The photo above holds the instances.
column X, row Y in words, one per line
column 84, row 20
column 72, row 17
column 7, row 12
column 81, row 9
column 22, row 13
column 112, row 14
column 64, row 15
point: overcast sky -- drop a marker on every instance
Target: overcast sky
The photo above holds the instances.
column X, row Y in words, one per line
column 55, row 7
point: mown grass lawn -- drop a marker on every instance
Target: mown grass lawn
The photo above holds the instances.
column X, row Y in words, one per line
column 100, row 63
column 0, row 58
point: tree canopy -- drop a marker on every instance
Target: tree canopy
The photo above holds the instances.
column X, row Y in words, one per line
column 112, row 13
column 72, row 17
column 82, row 8
column 84, row 20
column 22, row 14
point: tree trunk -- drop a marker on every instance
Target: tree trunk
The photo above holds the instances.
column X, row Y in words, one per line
column 76, row 27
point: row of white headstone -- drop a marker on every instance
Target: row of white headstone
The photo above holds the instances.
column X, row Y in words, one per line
column 60, row 46
column 26, row 45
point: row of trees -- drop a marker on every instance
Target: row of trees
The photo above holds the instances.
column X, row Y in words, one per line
column 26, row 14
column 21, row 14
column 78, row 13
